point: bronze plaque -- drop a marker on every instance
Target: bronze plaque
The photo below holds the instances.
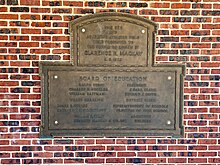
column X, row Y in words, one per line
column 111, row 39
column 112, row 86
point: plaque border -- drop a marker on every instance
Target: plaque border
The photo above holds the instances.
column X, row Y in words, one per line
column 45, row 67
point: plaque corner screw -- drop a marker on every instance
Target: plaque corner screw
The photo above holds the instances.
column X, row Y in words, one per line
column 143, row 31
column 83, row 30
column 56, row 122
column 169, row 78
column 56, row 77
column 168, row 122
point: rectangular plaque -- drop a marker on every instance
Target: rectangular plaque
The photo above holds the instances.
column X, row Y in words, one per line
column 109, row 102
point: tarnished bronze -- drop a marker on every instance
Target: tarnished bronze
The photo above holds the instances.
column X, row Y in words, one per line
column 94, row 96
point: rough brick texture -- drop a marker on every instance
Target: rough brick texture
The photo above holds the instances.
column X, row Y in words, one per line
column 36, row 30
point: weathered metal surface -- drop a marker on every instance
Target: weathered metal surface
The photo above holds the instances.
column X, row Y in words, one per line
column 112, row 87
column 111, row 39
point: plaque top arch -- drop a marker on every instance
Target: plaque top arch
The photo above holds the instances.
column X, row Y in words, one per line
column 112, row 39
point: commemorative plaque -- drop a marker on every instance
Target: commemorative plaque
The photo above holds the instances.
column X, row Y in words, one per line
column 112, row 87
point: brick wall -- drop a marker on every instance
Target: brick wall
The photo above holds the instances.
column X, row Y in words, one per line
column 37, row 30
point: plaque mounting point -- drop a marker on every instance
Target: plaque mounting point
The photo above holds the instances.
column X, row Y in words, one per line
column 169, row 122
column 169, row 77
column 83, row 30
column 55, row 77
column 143, row 31
column 56, row 122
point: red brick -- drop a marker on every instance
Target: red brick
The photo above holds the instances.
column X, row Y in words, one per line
column 73, row 3
column 3, row 37
column 61, row 38
column 30, row 96
column 207, row 141
column 215, row 110
column 126, row 154
column 208, row 129
column 84, row 142
column 210, row 64
column 9, row 16
column 115, row 160
column 214, row 160
column 3, row 9
column 148, row 12
column 106, row 154
column 177, row 160
column 43, row 154
column 51, row 160
column 116, row 4
column 40, row 51
column 30, row 3
column 95, row 148
column 20, row 103
column 9, row 96
column 20, row 63
column 29, row 44
column 19, row 116
column 136, row 148
column 62, row 11
column 20, row 142
column 4, row 142
column 30, row 16
column 50, row 45
column 51, row 17
column 30, row 31
column 10, row 161
column 61, row 51
column 180, row 5
column 40, row 24
column 3, row 23
column 146, row 154
column 4, row 155
column 94, row 160
column 177, row 148
column 105, row 10
column 30, row 123
column 53, row 148
column 40, row 10
column 202, row 45
column 4, row 90
column 197, row 160
column 116, row 148
column 160, row 19
column 9, row 83
column 19, row 38
column 208, row 103
column 74, row 160
column 52, row 31
column 191, row 26
column 17, row 51
column 156, row 160
column 105, row 141
column 9, row 148
column 159, row 5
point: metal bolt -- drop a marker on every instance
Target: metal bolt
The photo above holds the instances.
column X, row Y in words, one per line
column 83, row 30
column 169, row 77
column 56, row 77
column 56, row 122
column 143, row 31
column 168, row 122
